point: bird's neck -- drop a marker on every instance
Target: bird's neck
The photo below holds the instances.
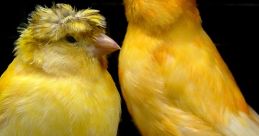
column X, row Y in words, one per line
column 62, row 67
column 159, row 14
column 183, row 30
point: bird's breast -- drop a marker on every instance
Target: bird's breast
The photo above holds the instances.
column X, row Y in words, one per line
column 61, row 106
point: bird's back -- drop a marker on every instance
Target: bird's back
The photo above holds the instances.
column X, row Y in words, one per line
column 177, row 84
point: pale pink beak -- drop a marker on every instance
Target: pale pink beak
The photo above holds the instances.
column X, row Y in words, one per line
column 105, row 45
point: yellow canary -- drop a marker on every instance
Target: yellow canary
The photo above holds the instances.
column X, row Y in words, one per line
column 58, row 84
column 173, row 79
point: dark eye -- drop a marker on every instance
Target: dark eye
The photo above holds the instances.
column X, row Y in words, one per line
column 70, row 39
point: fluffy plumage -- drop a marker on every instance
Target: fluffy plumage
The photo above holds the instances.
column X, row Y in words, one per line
column 58, row 84
column 173, row 79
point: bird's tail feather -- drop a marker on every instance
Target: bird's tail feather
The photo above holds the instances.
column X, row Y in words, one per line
column 243, row 125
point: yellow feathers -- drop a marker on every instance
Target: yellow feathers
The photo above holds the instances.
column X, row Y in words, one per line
column 172, row 77
column 58, row 84
column 62, row 19
column 52, row 24
column 158, row 12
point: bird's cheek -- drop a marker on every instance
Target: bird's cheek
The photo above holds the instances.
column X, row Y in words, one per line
column 91, row 50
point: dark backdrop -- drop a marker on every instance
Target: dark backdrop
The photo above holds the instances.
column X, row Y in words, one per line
column 232, row 24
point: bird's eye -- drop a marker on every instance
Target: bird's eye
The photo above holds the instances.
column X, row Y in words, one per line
column 70, row 39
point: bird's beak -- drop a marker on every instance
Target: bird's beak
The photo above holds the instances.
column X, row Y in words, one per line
column 105, row 45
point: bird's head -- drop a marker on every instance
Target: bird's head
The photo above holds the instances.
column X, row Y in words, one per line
column 61, row 37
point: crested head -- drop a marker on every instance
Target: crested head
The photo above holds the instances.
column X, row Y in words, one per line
column 61, row 19
column 61, row 38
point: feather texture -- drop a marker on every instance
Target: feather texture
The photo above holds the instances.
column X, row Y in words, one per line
column 56, row 85
column 173, row 79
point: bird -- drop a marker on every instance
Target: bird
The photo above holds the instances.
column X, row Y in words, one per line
column 173, row 79
column 58, row 83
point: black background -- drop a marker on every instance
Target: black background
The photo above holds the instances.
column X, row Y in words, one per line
column 232, row 24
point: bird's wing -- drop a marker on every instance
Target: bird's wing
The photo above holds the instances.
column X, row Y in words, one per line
column 4, row 83
column 198, row 82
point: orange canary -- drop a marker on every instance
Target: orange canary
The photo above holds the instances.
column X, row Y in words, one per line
column 173, row 79
column 58, row 84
